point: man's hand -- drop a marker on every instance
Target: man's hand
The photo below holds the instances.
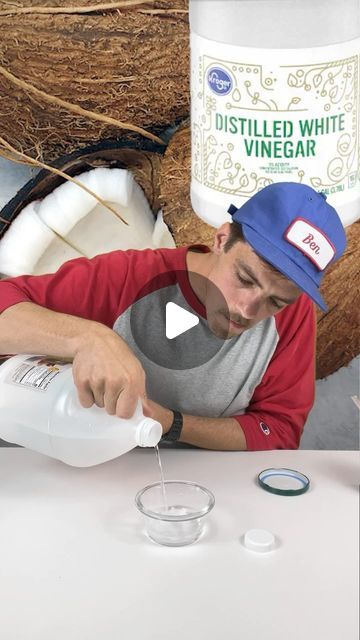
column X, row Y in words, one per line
column 106, row 372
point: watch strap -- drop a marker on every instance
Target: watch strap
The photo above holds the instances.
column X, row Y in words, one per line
column 174, row 432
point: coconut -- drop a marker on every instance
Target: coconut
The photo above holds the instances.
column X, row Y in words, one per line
column 337, row 329
column 142, row 159
column 52, row 220
column 69, row 78
column 70, row 222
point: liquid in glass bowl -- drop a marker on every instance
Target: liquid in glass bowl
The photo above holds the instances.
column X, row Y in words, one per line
column 175, row 516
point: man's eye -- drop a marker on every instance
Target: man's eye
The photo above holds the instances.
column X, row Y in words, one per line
column 276, row 304
column 243, row 281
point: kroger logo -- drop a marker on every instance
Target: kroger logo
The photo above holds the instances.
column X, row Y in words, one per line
column 219, row 81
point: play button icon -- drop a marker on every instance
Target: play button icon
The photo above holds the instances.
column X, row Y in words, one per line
column 168, row 324
column 178, row 320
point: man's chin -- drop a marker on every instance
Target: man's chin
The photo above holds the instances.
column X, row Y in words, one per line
column 220, row 333
column 225, row 329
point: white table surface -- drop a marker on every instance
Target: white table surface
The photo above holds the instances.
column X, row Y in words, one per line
column 76, row 565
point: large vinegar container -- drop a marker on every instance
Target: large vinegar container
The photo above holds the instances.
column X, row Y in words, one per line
column 274, row 97
column 39, row 409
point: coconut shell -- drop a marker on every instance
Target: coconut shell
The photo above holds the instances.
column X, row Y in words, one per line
column 143, row 162
column 185, row 226
column 130, row 64
column 338, row 338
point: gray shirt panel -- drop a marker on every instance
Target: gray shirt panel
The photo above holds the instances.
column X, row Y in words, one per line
column 222, row 385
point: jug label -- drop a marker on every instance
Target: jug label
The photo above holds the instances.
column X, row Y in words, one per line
column 37, row 372
column 266, row 115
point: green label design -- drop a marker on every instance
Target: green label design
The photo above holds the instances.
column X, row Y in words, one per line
column 261, row 116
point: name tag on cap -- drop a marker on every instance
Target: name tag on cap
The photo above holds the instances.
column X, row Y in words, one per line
column 311, row 241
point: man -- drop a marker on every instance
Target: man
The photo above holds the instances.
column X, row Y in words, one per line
column 253, row 294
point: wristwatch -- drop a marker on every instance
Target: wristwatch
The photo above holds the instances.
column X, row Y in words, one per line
column 174, row 432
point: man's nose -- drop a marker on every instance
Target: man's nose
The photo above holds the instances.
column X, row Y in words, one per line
column 250, row 305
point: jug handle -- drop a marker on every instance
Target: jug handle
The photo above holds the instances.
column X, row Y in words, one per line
column 73, row 404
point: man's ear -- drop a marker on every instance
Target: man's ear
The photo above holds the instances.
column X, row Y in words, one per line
column 221, row 237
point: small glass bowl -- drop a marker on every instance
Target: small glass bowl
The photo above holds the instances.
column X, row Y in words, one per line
column 176, row 518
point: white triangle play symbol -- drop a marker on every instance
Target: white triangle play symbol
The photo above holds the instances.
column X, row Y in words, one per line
column 178, row 320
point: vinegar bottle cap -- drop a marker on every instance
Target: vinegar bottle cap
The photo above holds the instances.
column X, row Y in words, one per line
column 259, row 540
column 148, row 432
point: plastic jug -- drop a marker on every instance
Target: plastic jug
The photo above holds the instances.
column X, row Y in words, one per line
column 274, row 97
column 40, row 410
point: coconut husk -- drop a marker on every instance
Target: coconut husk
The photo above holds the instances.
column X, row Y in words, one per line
column 143, row 162
column 338, row 337
column 338, row 329
column 185, row 226
column 69, row 79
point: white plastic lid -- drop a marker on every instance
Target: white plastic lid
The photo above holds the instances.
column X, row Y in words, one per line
column 259, row 540
column 148, row 433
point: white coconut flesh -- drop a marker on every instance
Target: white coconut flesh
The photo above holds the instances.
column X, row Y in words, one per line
column 69, row 223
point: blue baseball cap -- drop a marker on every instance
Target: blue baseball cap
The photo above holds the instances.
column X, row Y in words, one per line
column 293, row 227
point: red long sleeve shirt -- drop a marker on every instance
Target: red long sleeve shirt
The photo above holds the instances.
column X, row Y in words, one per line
column 263, row 378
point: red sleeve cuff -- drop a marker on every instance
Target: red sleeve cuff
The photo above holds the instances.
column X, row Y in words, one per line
column 260, row 435
column 249, row 426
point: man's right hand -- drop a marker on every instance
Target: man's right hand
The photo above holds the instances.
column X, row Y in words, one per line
column 106, row 372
